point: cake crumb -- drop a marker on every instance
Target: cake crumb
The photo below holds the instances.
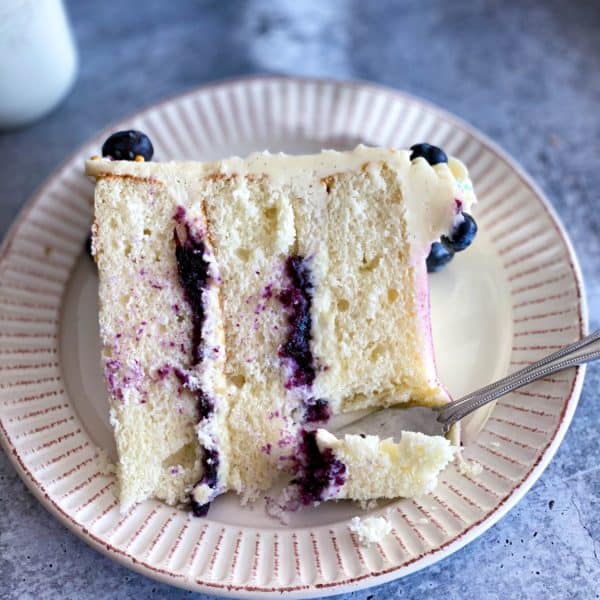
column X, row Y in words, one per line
column 105, row 465
column 276, row 511
column 281, row 507
column 470, row 468
column 370, row 530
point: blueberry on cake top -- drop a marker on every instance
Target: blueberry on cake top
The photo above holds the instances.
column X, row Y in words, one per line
column 245, row 302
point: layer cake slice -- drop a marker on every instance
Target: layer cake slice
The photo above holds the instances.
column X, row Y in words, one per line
column 245, row 302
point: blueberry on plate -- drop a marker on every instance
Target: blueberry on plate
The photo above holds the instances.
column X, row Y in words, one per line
column 432, row 154
column 126, row 145
column 462, row 235
column 439, row 257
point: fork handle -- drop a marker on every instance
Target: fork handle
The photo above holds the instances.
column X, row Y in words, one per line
column 583, row 351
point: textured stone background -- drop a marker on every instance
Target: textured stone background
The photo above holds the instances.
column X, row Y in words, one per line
column 526, row 73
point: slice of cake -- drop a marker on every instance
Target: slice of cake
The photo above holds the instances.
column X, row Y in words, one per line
column 244, row 302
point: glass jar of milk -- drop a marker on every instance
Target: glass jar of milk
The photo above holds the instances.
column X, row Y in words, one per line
column 38, row 60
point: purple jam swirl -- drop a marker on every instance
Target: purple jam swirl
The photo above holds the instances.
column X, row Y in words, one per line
column 193, row 271
column 206, row 407
column 319, row 471
column 297, row 299
column 193, row 277
column 316, row 410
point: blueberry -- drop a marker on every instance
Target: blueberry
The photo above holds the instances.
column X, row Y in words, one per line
column 126, row 145
column 439, row 256
column 432, row 154
column 462, row 235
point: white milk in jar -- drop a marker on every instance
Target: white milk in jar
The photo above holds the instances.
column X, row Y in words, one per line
column 38, row 60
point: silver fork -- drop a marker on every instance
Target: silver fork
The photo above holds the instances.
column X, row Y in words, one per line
column 390, row 422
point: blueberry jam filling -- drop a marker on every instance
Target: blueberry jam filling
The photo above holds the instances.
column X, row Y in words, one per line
column 297, row 299
column 316, row 410
column 205, row 406
column 193, row 277
column 193, row 271
column 318, row 471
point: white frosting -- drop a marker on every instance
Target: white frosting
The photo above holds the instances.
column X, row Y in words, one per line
column 428, row 218
column 203, row 494
column 325, row 439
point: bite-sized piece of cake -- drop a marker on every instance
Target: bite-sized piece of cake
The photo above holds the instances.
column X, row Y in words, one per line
column 370, row 530
column 366, row 467
column 274, row 292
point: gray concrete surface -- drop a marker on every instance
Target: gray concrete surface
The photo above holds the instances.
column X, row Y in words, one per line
column 525, row 73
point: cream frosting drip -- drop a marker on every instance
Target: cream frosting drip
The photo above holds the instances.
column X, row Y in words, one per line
column 428, row 218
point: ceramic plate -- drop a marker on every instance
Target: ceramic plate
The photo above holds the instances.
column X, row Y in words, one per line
column 513, row 297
